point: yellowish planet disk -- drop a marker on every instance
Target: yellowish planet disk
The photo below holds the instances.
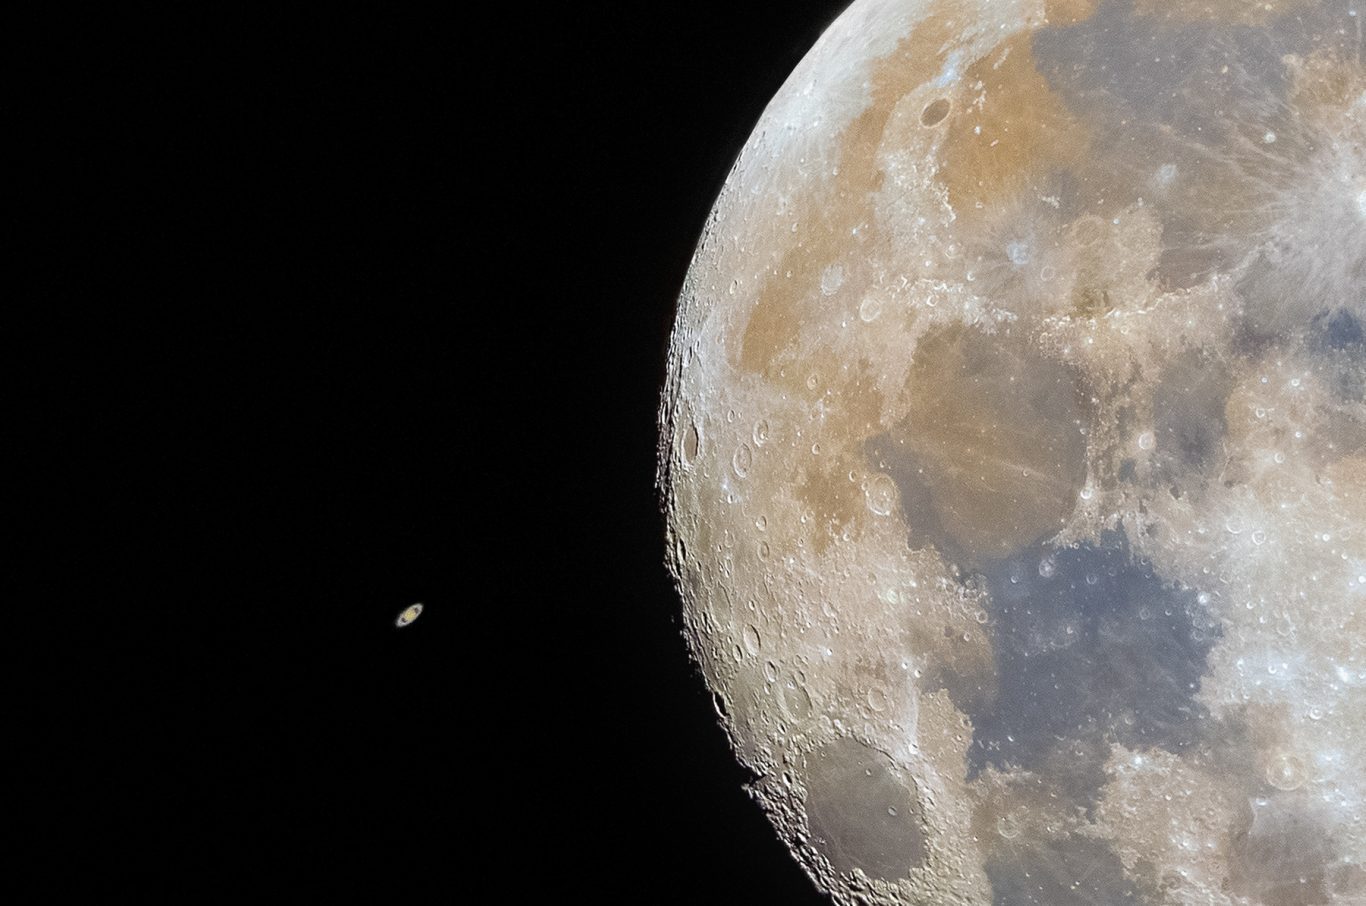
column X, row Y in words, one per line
column 408, row 615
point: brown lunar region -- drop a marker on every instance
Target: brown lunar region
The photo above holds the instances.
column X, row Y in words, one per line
column 1013, row 450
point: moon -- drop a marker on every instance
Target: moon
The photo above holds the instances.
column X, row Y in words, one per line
column 1013, row 453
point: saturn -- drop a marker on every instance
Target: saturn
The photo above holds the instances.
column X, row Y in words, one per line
column 409, row 615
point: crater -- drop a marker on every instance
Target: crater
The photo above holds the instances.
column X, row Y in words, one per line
column 863, row 812
column 691, row 444
column 934, row 112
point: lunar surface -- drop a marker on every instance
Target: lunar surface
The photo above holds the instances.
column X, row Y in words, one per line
column 1014, row 453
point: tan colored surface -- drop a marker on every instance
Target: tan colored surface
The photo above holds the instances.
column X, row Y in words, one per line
column 1012, row 454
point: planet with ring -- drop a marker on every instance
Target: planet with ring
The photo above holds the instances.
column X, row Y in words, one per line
column 1013, row 453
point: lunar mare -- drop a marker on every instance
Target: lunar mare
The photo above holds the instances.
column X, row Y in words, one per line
column 1013, row 450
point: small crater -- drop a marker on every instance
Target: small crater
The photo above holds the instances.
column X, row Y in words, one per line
column 881, row 494
column 832, row 278
column 1286, row 772
column 870, row 309
column 691, row 443
column 934, row 112
column 742, row 460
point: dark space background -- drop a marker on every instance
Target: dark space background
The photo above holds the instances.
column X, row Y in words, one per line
column 671, row 101
column 350, row 312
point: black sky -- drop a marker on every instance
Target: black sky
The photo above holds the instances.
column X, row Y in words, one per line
column 353, row 311
column 657, row 113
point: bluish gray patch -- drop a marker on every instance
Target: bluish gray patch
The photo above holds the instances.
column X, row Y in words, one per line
column 1338, row 340
column 1185, row 93
column 951, row 71
column 1091, row 650
column 1128, row 470
column 1339, row 330
column 1104, row 64
column 1189, row 414
column 1074, row 871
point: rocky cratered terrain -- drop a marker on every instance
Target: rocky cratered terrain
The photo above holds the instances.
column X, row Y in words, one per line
column 1014, row 453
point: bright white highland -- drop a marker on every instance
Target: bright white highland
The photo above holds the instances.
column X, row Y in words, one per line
column 1014, row 453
